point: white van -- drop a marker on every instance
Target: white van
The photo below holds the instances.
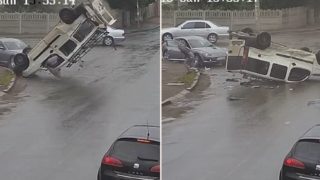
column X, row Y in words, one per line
column 73, row 37
column 258, row 56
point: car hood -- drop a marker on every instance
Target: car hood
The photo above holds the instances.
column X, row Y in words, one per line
column 15, row 51
column 216, row 52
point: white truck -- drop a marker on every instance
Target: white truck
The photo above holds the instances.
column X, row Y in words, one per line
column 77, row 32
column 256, row 55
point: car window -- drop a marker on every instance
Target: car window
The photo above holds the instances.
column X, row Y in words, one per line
column 257, row 66
column 200, row 25
column 298, row 74
column 278, row 71
column 208, row 26
column 307, row 149
column 172, row 43
column 131, row 150
column 14, row 45
column 68, row 47
column 84, row 30
column 2, row 46
column 195, row 43
column 189, row 25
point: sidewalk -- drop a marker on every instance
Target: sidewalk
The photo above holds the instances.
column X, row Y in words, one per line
column 171, row 72
column 7, row 79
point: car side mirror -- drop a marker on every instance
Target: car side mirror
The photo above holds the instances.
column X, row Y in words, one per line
column 2, row 48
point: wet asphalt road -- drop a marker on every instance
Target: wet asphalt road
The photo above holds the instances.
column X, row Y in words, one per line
column 60, row 129
column 244, row 139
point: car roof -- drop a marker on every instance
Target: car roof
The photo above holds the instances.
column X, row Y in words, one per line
column 141, row 132
column 190, row 37
column 198, row 20
column 312, row 133
column 10, row 40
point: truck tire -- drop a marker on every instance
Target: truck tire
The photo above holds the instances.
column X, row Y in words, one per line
column 67, row 15
column 263, row 40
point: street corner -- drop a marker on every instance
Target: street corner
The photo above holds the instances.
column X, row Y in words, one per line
column 7, row 79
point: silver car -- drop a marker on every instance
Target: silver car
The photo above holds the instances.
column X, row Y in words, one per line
column 114, row 36
column 205, row 53
column 201, row 28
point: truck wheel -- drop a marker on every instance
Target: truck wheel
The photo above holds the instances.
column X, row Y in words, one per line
column 19, row 63
column 318, row 57
column 67, row 15
column 263, row 40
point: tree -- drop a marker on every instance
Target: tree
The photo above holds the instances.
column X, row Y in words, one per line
column 128, row 4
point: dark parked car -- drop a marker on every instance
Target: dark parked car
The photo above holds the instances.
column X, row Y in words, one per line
column 303, row 161
column 206, row 54
column 13, row 53
column 134, row 155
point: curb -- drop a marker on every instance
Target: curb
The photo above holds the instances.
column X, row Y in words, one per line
column 183, row 92
column 12, row 82
column 142, row 30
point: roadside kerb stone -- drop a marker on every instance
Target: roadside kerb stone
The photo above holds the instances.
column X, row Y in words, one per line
column 183, row 92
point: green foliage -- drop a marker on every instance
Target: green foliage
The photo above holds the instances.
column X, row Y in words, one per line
column 128, row 4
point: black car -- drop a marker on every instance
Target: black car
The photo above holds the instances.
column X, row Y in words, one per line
column 13, row 54
column 134, row 155
column 303, row 161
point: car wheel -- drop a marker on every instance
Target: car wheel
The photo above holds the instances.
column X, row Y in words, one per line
column 19, row 63
column 67, row 15
column 263, row 40
column 167, row 36
column 108, row 41
column 165, row 55
column 213, row 38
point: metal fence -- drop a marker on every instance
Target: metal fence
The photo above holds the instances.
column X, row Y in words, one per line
column 268, row 19
column 27, row 23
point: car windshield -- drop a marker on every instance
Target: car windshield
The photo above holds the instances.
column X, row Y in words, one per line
column 179, row 24
column 132, row 150
column 196, row 43
column 171, row 43
column 308, row 149
column 15, row 45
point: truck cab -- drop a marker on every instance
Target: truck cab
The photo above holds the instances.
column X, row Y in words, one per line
column 72, row 38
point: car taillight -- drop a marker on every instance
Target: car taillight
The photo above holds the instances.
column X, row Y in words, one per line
column 291, row 162
column 111, row 161
column 155, row 169
column 143, row 141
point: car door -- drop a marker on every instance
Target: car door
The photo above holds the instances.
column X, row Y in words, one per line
column 186, row 29
column 200, row 29
column 174, row 51
column 4, row 56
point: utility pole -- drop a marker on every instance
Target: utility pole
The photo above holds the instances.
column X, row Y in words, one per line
column 257, row 14
column 138, row 13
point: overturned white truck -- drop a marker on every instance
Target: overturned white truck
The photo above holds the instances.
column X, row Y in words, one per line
column 73, row 37
column 256, row 55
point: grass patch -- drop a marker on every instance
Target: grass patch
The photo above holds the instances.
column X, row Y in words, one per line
column 188, row 78
column 5, row 78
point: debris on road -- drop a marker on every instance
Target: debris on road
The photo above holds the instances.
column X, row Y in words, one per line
column 232, row 80
column 233, row 98
column 317, row 101
column 175, row 84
